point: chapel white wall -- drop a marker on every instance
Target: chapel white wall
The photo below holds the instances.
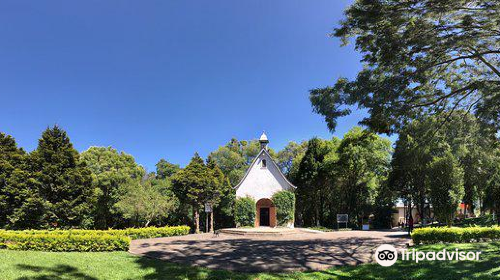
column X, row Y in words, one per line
column 262, row 182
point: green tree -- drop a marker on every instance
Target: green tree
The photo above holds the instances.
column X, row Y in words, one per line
column 112, row 175
column 285, row 157
column 165, row 169
column 470, row 141
column 420, row 58
column 235, row 158
column 219, row 193
column 362, row 166
column 190, row 186
column 446, row 186
column 147, row 201
column 12, row 166
column 312, row 184
column 65, row 184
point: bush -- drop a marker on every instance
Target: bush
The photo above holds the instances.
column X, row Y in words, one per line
column 133, row 233
column 454, row 235
column 244, row 211
column 81, row 240
column 285, row 207
column 63, row 242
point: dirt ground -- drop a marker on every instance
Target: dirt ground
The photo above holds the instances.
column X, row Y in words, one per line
column 303, row 251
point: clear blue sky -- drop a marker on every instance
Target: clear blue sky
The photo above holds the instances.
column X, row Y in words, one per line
column 164, row 79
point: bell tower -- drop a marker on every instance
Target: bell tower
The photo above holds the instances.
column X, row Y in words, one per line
column 263, row 141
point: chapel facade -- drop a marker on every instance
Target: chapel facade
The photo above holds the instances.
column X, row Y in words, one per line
column 263, row 179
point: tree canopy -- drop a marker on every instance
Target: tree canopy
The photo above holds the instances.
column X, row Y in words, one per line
column 420, row 58
column 112, row 174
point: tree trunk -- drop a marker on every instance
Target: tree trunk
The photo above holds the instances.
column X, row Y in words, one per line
column 212, row 221
column 196, row 220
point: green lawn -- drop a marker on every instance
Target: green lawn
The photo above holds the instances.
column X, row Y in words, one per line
column 121, row 265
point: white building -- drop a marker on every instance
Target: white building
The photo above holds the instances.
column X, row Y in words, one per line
column 263, row 179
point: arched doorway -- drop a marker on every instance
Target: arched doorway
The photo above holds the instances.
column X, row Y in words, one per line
column 266, row 213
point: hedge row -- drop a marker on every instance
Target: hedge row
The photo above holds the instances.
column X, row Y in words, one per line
column 133, row 233
column 454, row 235
column 63, row 242
column 82, row 240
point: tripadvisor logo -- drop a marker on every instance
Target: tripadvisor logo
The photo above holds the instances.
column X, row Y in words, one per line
column 387, row 255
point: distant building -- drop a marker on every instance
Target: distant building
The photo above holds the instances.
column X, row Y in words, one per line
column 263, row 179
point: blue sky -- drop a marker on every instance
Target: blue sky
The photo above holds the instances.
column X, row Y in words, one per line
column 164, row 79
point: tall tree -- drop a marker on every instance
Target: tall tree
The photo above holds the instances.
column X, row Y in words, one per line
column 311, row 182
column 12, row 161
column 65, row 182
column 362, row 166
column 190, row 186
column 446, row 186
column 219, row 190
column 112, row 175
column 420, row 57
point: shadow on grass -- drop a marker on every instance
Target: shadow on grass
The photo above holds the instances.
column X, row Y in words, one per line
column 58, row 272
column 165, row 270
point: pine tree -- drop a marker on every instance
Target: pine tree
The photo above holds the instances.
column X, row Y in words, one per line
column 11, row 164
column 65, row 183
column 190, row 185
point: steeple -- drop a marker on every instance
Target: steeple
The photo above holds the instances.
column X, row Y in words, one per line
column 263, row 141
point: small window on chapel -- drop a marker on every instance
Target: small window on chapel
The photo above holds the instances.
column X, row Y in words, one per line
column 264, row 163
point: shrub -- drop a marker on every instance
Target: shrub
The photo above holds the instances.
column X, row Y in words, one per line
column 285, row 207
column 63, row 242
column 454, row 234
column 244, row 211
column 133, row 233
column 82, row 240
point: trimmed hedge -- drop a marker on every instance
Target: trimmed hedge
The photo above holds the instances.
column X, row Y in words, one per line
column 133, row 233
column 79, row 240
column 285, row 207
column 244, row 212
column 63, row 242
column 454, row 234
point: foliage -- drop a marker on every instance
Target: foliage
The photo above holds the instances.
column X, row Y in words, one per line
column 95, row 242
column 195, row 185
column 285, row 157
column 362, row 167
column 471, row 144
column 432, row 235
column 482, row 221
column 420, row 58
column 112, row 174
column 133, row 233
column 235, row 157
column 148, row 201
column 64, row 183
column 341, row 176
column 285, row 207
column 13, row 177
column 244, row 211
column 165, row 169
column 446, row 186
column 311, row 179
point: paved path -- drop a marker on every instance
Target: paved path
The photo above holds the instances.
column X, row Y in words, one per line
column 305, row 251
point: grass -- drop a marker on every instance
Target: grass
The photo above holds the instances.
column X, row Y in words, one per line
column 23, row 265
column 483, row 221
